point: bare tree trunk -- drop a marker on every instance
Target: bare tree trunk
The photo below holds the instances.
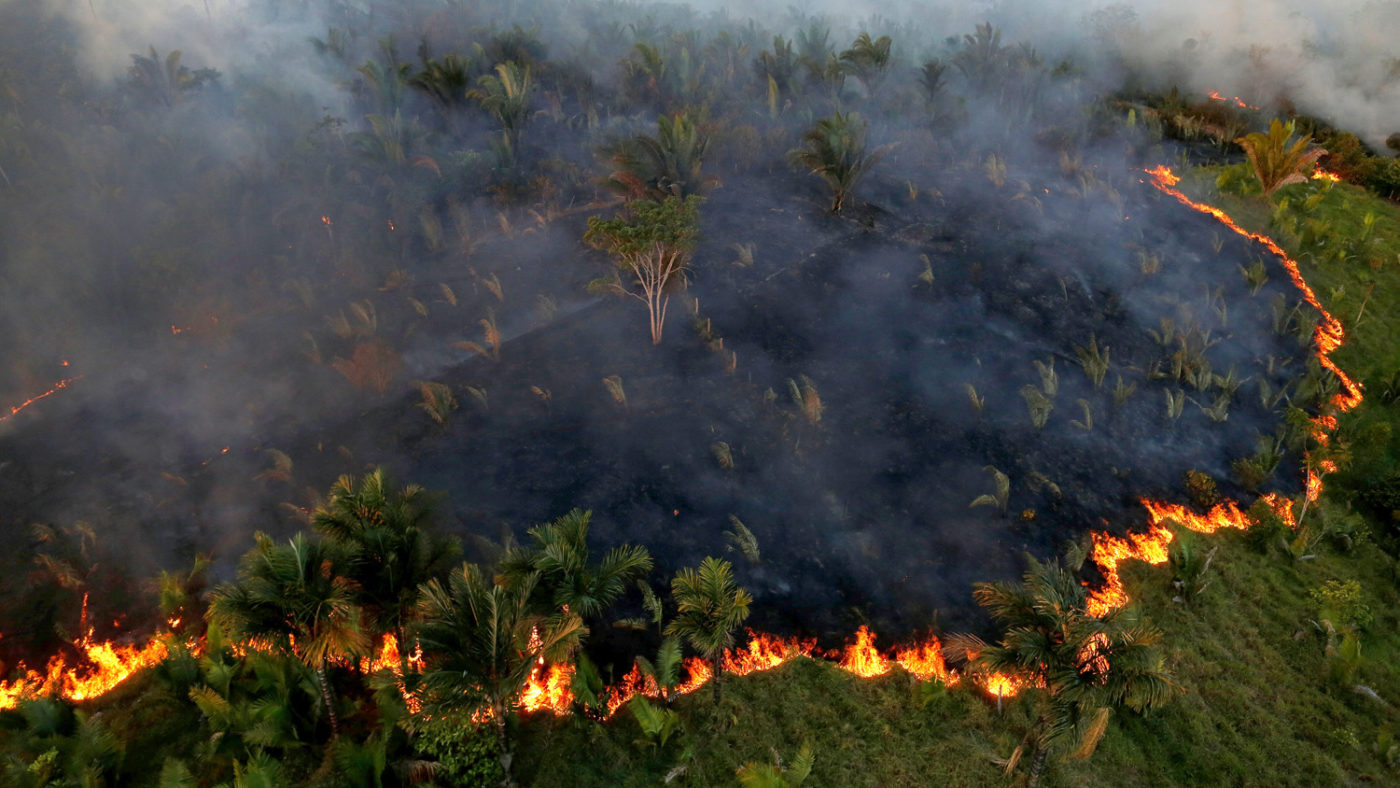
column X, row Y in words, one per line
column 715, row 673
column 498, row 714
column 328, row 700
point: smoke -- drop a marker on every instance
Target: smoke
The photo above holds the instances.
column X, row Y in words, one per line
column 265, row 262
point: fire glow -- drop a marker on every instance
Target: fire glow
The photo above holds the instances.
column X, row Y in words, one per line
column 59, row 386
column 549, row 687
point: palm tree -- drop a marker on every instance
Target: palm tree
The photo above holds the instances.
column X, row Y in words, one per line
column 297, row 600
column 506, row 95
column 868, row 60
column 480, row 641
column 982, row 58
column 567, row 580
column 1277, row 163
column 1087, row 665
column 668, row 164
column 385, row 534
column 834, row 150
column 709, row 607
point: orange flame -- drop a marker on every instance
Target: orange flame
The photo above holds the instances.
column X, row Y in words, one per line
column 924, row 660
column 104, row 666
column 62, row 384
column 551, row 691
column 862, row 658
column 1002, row 685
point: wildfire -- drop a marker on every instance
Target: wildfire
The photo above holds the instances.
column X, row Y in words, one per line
column 862, row 658
column 549, row 687
column 104, row 666
column 1001, row 685
column 1236, row 100
column 1323, row 175
column 549, row 690
column 62, row 384
column 925, row 661
column 765, row 652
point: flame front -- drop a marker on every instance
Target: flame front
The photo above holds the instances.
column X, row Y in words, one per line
column 62, row 384
column 862, row 658
column 105, row 666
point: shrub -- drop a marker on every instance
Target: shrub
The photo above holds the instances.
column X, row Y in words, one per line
column 1341, row 602
column 465, row 752
column 1200, row 487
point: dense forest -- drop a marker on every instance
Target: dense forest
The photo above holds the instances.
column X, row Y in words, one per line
column 594, row 393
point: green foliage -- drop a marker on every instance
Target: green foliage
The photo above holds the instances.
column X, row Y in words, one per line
column 1201, row 489
column 1278, row 159
column 1343, row 603
column 560, row 557
column 776, row 775
column 1038, row 404
column 666, row 165
column 658, row 724
column 1085, row 662
column 652, row 242
column 389, row 544
column 1190, row 565
column 709, row 607
column 999, row 499
column 465, row 753
column 1094, row 361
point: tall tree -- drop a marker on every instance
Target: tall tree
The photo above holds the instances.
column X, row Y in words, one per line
column 567, row 579
column 386, row 535
column 297, row 600
column 1087, row 665
column 480, row 641
column 709, row 607
column 652, row 242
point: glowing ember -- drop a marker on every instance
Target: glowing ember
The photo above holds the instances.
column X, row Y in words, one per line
column 1236, row 100
column 862, row 658
column 62, row 384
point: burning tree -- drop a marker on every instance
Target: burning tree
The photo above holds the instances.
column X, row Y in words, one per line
column 1087, row 665
column 481, row 639
column 651, row 241
column 294, row 599
column 709, row 607
column 386, row 533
